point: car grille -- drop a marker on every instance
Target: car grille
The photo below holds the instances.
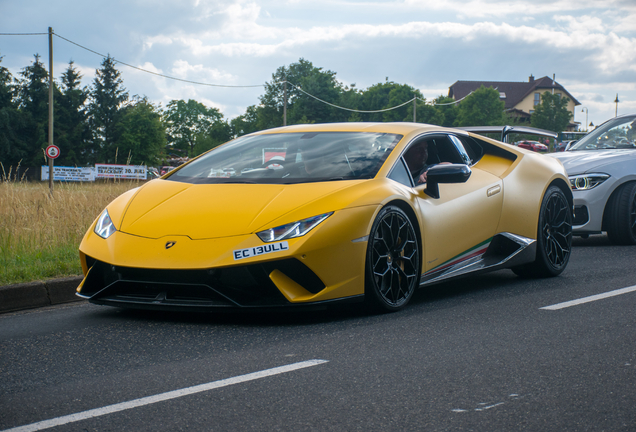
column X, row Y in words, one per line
column 241, row 286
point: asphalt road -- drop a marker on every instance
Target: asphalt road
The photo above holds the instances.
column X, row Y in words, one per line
column 477, row 354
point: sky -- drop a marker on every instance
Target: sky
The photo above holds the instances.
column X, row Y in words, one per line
column 589, row 46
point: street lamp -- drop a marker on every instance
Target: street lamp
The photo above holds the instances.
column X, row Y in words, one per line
column 616, row 101
column 585, row 109
column 591, row 124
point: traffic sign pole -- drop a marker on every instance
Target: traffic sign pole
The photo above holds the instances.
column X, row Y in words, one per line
column 52, row 152
column 51, row 109
column 51, row 175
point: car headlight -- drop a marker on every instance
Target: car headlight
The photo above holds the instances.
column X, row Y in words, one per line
column 104, row 227
column 587, row 181
column 291, row 230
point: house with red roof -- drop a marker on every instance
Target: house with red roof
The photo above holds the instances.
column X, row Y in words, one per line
column 520, row 98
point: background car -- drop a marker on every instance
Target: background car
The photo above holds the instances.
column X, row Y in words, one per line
column 532, row 145
column 564, row 145
column 340, row 217
column 165, row 169
column 602, row 171
column 152, row 173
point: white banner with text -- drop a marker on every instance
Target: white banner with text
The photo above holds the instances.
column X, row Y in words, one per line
column 137, row 172
column 62, row 173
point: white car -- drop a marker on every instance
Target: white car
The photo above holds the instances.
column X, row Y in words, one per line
column 602, row 170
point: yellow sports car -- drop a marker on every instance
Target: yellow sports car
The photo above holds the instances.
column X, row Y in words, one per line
column 309, row 215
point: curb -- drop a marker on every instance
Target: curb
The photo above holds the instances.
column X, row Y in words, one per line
column 32, row 295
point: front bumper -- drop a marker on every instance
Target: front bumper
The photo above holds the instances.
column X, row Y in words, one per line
column 242, row 287
column 593, row 203
column 321, row 267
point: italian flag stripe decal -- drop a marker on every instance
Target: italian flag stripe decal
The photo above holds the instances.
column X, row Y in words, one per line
column 477, row 250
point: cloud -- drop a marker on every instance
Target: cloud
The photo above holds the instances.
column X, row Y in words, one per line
column 609, row 52
column 183, row 69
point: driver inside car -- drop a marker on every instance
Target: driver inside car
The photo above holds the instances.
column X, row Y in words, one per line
column 416, row 158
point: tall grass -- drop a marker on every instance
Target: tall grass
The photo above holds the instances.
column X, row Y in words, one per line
column 40, row 233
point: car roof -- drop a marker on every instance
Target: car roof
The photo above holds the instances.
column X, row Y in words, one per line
column 403, row 128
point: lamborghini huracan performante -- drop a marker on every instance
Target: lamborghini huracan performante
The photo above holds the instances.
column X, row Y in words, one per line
column 310, row 215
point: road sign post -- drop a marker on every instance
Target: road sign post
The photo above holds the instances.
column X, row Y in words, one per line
column 52, row 152
column 51, row 146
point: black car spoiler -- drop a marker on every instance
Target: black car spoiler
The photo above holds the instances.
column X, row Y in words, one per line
column 506, row 130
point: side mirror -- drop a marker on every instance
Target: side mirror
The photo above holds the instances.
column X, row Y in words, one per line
column 447, row 173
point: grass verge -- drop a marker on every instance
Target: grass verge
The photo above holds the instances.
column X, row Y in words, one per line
column 40, row 234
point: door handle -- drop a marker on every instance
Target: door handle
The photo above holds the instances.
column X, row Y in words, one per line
column 494, row 190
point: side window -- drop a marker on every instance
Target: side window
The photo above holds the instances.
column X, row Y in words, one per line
column 470, row 147
column 400, row 174
column 443, row 149
column 473, row 148
column 462, row 151
column 431, row 150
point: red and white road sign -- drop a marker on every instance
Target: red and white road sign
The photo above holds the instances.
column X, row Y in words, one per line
column 53, row 151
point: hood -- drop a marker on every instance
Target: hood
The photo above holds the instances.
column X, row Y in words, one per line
column 164, row 207
column 584, row 161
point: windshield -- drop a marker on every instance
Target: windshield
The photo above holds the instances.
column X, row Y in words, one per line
column 618, row 133
column 292, row 158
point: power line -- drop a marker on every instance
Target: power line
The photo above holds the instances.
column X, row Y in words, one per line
column 234, row 86
column 23, row 34
column 244, row 86
column 448, row 103
column 156, row 73
column 349, row 109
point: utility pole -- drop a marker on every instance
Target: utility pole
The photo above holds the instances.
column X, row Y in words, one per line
column 616, row 101
column 51, row 107
column 285, row 102
column 414, row 109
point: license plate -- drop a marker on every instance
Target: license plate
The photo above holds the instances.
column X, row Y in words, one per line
column 240, row 254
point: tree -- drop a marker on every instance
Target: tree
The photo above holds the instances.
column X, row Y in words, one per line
column 390, row 94
column 219, row 133
column 350, row 97
column 301, row 108
column 108, row 97
column 12, row 147
column 33, row 103
column 143, row 137
column 245, row 123
column 377, row 97
column 481, row 108
column 72, row 134
column 552, row 113
column 186, row 122
column 448, row 108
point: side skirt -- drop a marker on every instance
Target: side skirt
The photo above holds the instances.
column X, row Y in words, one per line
column 505, row 250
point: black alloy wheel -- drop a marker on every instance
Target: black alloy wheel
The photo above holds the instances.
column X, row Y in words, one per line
column 393, row 261
column 554, row 237
column 557, row 230
column 621, row 215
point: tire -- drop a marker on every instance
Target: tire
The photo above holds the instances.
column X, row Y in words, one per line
column 621, row 211
column 554, row 237
column 392, row 262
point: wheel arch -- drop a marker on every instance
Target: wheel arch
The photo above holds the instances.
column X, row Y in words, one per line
column 610, row 200
column 408, row 209
column 565, row 187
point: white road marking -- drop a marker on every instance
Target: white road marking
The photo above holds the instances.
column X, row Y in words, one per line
column 483, row 406
column 488, row 407
column 163, row 397
column 590, row 298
